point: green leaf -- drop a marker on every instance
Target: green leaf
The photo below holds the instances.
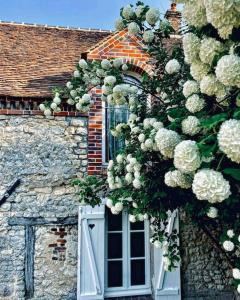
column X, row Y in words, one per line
column 214, row 120
column 235, row 173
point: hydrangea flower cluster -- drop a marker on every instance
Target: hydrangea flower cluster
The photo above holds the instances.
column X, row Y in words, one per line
column 211, row 186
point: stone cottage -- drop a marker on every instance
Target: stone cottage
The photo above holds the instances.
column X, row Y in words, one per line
column 50, row 249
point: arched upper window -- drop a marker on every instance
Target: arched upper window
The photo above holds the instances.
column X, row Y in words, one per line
column 113, row 116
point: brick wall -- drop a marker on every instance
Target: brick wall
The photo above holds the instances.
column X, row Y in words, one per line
column 130, row 49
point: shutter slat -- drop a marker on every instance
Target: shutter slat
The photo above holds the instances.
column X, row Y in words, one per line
column 91, row 253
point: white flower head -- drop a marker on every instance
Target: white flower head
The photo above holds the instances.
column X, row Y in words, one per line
column 106, row 64
column 173, row 66
column 238, row 289
column 228, row 70
column 47, row 112
column 86, row 98
column 141, row 137
column 210, row 185
column 132, row 219
column 198, row 70
column 119, row 24
column 212, row 212
column 236, row 273
column 129, row 178
column 120, row 158
column 117, row 63
column 152, row 16
column 210, row 86
column 128, row 12
column 109, row 203
column 210, row 47
column 83, row 64
column 76, row 74
column 190, row 87
column 194, row 12
column 157, row 244
column 110, row 80
column 191, row 46
column 228, row 246
column 166, row 141
column 137, row 183
column 187, row 156
column 230, row 233
column 119, row 206
column 191, row 125
column 42, row 107
column 114, row 211
column 133, row 28
column 148, row 36
column 177, row 178
column 195, row 104
column 229, row 139
column 139, row 10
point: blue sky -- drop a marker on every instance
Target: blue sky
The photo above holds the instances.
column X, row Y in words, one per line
column 76, row 13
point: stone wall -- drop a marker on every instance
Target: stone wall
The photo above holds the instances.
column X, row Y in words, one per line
column 205, row 273
column 38, row 222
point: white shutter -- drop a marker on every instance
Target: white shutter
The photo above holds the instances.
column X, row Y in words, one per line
column 167, row 284
column 91, row 253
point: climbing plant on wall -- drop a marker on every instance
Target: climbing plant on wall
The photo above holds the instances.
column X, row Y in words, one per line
column 182, row 139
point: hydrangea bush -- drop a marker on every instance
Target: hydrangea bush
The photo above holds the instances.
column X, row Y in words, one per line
column 182, row 138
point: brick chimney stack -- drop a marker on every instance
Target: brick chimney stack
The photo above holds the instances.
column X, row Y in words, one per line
column 174, row 17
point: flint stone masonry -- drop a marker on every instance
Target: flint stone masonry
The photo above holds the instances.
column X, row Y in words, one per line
column 45, row 154
column 205, row 274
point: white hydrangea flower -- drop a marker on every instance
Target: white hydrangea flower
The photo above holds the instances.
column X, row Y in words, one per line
column 173, row 66
column 157, row 125
column 191, row 46
column 187, row 156
column 167, row 263
column 47, row 112
column 223, row 15
column 148, row 36
column 119, row 206
column 210, row 47
column 238, row 289
column 195, row 104
column 194, row 12
column 129, row 178
column 166, row 141
column 53, row 106
column 191, row 125
column 69, row 85
column 132, row 219
column 76, row 74
column 228, row 246
column 157, row 244
column 119, row 24
column 229, row 139
column 57, row 100
column 211, row 186
column 83, row 64
column 106, row 64
column 212, row 212
column 228, row 70
column 124, row 67
column 107, row 90
column 86, row 98
column 109, row 203
column 177, row 178
column 198, row 70
column 42, row 107
column 114, row 211
column 139, row 10
column 133, row 28
column 120, row 158
column 140, row 217
column 230, row 233
column 152, row 16
column 73, row 93
column 100, row 73
column 149, row 143
column 190, row 87
column 137, row 183
column 141, row 138
column 236, row 273
column 210, row 86
column 128, row 12
column 117, row 63
column 110, row 80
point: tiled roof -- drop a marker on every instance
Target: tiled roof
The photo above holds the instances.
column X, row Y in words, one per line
column 36, row 58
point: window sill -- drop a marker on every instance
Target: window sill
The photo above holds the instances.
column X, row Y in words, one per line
column 129, row 292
